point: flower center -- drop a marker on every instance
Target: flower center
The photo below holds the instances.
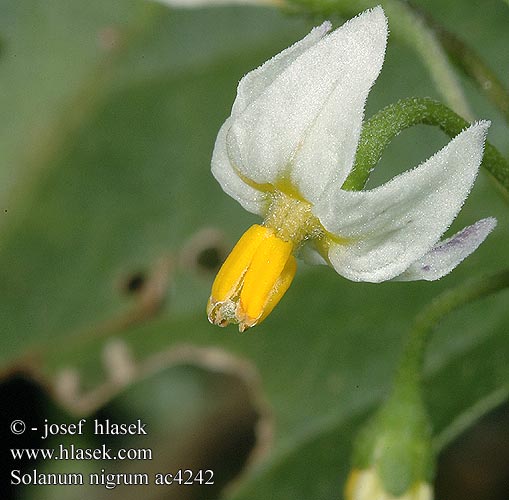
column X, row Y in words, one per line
column 261, row 266
column 291, row 219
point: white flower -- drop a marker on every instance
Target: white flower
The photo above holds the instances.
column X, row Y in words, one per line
column 366, row 485
column 285, row 152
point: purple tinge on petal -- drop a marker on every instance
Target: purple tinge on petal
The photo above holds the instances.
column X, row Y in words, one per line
column 390, row 228
column 461, row 238
column 447, row 254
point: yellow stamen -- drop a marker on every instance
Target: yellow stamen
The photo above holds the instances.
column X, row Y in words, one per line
column 261, row 278
column 261, row 267
column 232, row 271
column 283, row 283
column 252, row 280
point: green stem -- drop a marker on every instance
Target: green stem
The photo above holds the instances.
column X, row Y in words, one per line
column 474, row 67
column 411, row 28
column 410, row 369
column 468, row 61
column 380, row 129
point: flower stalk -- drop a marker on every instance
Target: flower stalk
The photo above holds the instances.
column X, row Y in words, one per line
column 387, row 123
column 410, row 368
column 394, row 454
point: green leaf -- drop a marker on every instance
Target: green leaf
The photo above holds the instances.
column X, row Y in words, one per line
column 75, row 226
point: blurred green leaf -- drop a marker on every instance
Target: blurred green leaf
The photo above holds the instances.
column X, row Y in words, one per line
column 123, row 185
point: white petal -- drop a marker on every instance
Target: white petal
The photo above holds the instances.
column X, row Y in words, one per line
column 310, row 255
column 251, row 199
column 255, row 82
column 249, row 88
column 447, row 254
column 304, row 127
column 394, row 225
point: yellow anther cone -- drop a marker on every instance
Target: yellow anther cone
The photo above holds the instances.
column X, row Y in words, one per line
column 252, row 280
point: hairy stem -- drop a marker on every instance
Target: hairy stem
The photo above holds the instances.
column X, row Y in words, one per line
column 469, row 62
column 380, row 129
column 474, row 67
column 411, row 366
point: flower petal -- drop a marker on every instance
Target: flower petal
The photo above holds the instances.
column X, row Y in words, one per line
column 304, row 127
column 251, row 199
column 255, row 82
column 447, row 254
column 310, row 255
column 249, row 88
column 394, row 225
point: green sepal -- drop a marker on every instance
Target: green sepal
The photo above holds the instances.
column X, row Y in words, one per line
column 396, row 443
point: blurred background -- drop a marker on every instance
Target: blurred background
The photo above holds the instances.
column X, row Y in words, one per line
column 112, row 229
